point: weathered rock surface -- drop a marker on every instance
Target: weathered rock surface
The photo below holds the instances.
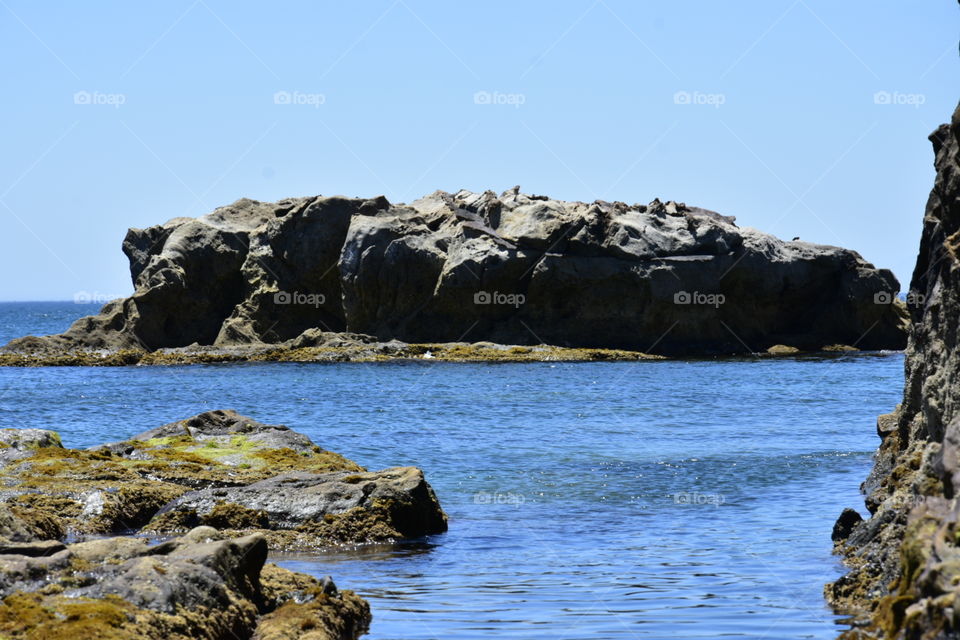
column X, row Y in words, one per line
column 513, row 269
column 197, row 586
column 217, row 468
column 905, row 559
column 332, row 347
column 16, row 444
column 400, row 500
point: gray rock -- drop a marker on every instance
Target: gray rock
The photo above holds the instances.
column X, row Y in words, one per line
column 12, row 529
column 16, row 444
column 294, row 499
column 576, row 274
column 224, row 424
column 191, row 472
column 198, row 585
column 193, row 575
column 30, row 573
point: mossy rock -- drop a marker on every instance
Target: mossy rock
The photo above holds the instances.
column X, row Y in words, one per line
column 121, row 486
column 346, row 350
column 229, row 515
column 305, row 510
column 198, row 586
column 782, row 350
column 219, row 469
column 839, row 348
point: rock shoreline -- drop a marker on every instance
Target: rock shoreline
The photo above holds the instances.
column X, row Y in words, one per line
column 510, row 269
column 336, row 348
column 332, row 348
column 222, row 489
column 904, row 560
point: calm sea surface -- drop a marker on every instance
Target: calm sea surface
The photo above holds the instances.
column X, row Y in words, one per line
column 592, row 500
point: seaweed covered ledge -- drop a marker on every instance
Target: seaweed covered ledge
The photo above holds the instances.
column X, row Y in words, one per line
column 220, row 490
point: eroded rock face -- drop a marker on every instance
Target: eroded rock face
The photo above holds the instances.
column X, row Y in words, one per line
column 309, row 504
column 905, row 559
column 512, row 269
column 197, row 586
column 218, row 468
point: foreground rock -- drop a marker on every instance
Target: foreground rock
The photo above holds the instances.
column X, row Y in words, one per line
column 385, row 505
column 511, row 269
column 905, row 559
column 197, row 586
column 218, row 468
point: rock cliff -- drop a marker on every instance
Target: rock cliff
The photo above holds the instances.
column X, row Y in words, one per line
column 513, row 269
column 905, row 559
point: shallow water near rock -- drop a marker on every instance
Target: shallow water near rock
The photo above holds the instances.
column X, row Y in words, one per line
column 676, row 499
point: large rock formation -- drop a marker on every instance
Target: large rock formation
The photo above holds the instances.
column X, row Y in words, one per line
column 905, row 559
column 513, row 269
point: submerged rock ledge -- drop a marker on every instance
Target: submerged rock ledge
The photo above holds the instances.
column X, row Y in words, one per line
column 324, row 347
column 513, row 269
column 338, row 347
column 904, row 579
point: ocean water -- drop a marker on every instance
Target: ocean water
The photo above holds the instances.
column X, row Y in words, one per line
column 677, row 499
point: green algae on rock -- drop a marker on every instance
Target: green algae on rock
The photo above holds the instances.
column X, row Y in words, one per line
column 322, row 347
column 293, row 509
column 200, row 585
column 216, row 468
column 782, row 350
column 260, row 485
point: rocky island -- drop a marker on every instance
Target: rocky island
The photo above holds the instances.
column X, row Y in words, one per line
column 904, row 579
column 474, row 276
column 213, row 493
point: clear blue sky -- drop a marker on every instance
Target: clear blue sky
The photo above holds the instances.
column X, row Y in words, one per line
column 781, row 129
